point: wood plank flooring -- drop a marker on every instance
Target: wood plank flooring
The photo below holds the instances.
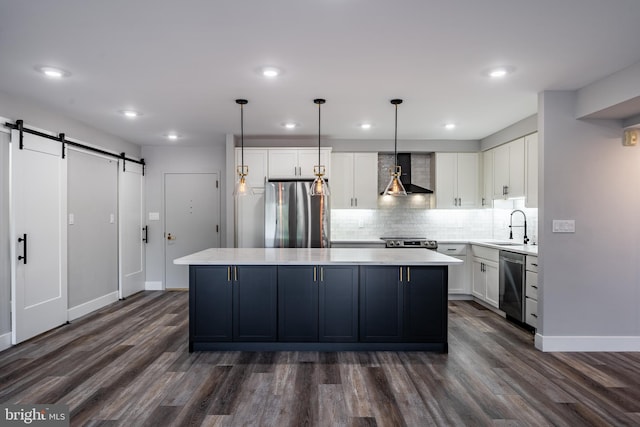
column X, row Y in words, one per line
column 128, row 365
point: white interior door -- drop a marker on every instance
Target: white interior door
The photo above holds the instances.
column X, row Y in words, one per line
column 38, row 236
column 192, row 221
column 131, row 216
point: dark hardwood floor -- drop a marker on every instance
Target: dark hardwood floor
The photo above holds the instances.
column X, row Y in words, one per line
column 128, row 365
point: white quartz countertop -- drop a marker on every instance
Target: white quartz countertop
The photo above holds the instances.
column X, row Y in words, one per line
column 316, row 256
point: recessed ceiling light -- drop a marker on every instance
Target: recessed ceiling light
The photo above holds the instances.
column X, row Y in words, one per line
column 270, row 72
column 290, row 125
column 450, row 126
column 130, row 114
column 365, row 126
column 53, row 72
column 499, row 72
column 172, row 136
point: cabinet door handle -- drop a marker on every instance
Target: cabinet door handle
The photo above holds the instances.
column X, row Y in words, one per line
column 401, row 274
column 483, row 201
column 534, row 287
column 322, row 274
column 408, row 274
column 315, row 274
column 535, row 265
column 146, row 234
column 23, row 257
column 356, row 199
column 235, row 273
column 534, row 315
column 228, row 274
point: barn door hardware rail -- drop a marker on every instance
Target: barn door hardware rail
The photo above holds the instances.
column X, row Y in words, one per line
column 19, row 126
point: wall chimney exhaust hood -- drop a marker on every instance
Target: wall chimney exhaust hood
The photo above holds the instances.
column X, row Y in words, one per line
column 416, row 180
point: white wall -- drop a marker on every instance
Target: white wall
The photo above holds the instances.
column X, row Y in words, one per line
column 93, row 237
column 176, row 159
column 590, row 279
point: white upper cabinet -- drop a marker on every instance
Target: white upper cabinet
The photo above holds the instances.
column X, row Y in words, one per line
column 256, row 161
column 531, row 195
column 354, row 184
column 457, row 183
column 297, row 163
column 509, row 170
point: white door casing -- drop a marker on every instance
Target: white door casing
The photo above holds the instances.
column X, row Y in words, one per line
column 130, row 232
column 38, row 211
column 192, row 220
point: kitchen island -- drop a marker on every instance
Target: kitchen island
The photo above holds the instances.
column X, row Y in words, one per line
column 271, row 299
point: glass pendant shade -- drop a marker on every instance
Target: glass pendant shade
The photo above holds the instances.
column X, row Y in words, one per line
column 319, row 187
column 242, row 188
column 395, row 187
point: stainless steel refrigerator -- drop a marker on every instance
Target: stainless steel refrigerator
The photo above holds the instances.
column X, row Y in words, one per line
column 293, row 218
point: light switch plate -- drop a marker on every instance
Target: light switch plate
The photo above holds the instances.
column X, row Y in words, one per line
column 564, row 226
column 112, row 218
column 154, row 216
column 72, row 219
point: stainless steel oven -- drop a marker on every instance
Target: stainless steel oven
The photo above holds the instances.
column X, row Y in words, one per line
column 511, row 273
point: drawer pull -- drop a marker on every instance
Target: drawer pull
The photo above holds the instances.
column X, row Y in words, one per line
column 534, row 315
column 535, row 265
column 534, row 287
column 451, row 249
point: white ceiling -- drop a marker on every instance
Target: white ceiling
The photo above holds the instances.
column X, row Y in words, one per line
column 183, row 63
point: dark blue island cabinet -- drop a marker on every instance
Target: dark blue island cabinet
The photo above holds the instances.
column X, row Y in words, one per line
column 317, row 307
column 318, row 303
column 232, row 303
column 403, row 304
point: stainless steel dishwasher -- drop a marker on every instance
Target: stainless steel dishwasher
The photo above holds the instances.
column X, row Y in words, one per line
column 511, row 273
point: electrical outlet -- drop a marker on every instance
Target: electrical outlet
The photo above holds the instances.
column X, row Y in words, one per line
column 564, row 226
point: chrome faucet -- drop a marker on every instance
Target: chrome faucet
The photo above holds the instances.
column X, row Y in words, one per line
column 526, row 239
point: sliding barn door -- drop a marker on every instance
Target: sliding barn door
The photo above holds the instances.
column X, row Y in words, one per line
column 131, row 208
column 38, row 236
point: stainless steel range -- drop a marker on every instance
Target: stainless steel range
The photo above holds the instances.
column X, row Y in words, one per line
column 410, row 242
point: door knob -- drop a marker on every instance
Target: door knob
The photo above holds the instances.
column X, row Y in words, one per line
column 170, row 237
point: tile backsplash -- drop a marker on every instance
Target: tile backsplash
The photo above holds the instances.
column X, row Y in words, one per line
column 410, row 216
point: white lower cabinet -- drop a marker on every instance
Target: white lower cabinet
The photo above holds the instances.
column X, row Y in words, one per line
column 531, row 291
column 459, row 276
column 485, row 281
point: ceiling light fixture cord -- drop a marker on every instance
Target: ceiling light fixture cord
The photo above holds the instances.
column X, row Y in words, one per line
column 395, row 137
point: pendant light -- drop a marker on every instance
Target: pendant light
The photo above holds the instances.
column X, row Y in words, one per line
column 319, row 187
column 241, row 187
column 395, row 187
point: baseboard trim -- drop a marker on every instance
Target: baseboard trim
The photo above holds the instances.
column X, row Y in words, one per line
column 548, row 343
column 91, row 306
column 460, row 297
column 153, row 286
column 5, row 341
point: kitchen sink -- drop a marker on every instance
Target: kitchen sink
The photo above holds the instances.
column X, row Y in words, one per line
column 505, row 243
